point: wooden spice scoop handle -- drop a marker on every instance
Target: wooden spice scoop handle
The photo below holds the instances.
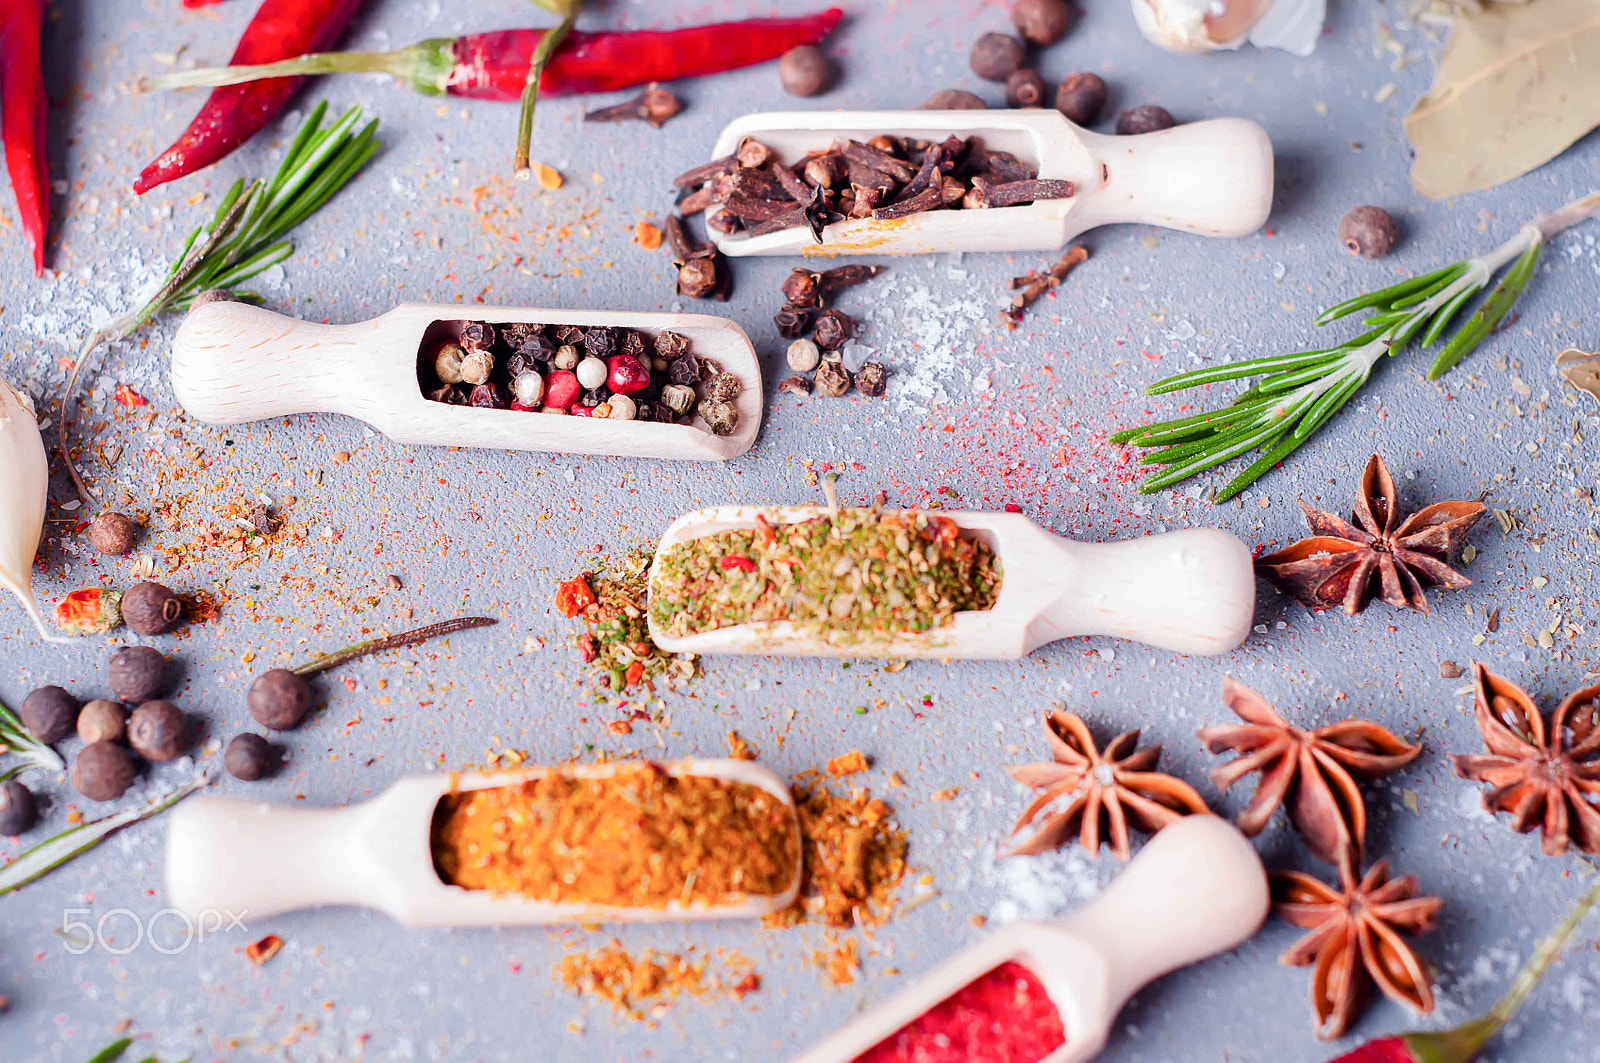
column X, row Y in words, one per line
column 1211, row 178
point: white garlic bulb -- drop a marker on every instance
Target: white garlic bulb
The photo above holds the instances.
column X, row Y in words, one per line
column 1193, row 26
column 24, row 481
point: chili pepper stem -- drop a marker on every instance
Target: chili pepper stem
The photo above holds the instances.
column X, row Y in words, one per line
column 425, row 66
column 392, row 642
column 568, row 10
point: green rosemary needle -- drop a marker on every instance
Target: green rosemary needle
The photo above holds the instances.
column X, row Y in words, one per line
column 244, row 237
column 1296, row 394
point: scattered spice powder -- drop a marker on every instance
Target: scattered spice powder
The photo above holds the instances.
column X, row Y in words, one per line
column 855, row 857
column 617, row 644
column 653, row 979
column 848, row 763
column 259, row 952
column 852, row 573
column 1004, row 1016
column 639, row 837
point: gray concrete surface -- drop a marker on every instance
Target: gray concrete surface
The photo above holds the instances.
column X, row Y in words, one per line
column 1029, row 413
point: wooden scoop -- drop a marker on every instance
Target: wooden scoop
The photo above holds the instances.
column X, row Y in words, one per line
column 1192, row 591
column 231, row 854
column 1213, row 178
column 233, row 362
column 1196, row 889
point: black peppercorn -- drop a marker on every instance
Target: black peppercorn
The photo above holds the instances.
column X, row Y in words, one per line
column 151, row 609
column 1042, row 22
column 834, row 329
column 684, row 369
column 1146, row 119
column 449, row 394
column 539, row 348
column 477, row 335
column 514, row 334
column 802, row 288
column 250, row 757
column 18, row 810
column 600, row 342
column 1025, row 88
column 112, row 534
column 569, row 335
column 792, row 321
column 50, row 713
column 1081, row 97
column 1368, row 231
column 279, row 699
column 670, row 345
column 996, row 55
column 833, row 379
column 805, row 71
column 954, row 100
column 159, row 731
column 594, row 397
column 103, row 771
column 632, row 343
column 139, row 674
column 489, row 396
column 871, row 379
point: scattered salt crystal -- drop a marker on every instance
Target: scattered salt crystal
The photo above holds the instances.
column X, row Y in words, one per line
column 1107, row 653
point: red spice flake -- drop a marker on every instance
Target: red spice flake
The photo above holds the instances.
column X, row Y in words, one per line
column 89, row 610
column 259, row 952
column 946, row 795
column 646, row 235
column 574, row 596
column 739, row 748
column 842, row 961
column 620, row 727
column 855, row 859
column 847, row 763
column 737, row 561
column 634, row 673
column 1004, row 1016
column 129, row 397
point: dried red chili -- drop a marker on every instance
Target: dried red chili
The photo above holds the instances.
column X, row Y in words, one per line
column 574, row 596
column 738, row 561
column 22, row 112
column 494, row 66
column 234, row 114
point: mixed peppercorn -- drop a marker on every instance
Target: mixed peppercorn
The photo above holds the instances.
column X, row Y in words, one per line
column 617, row 373
column 849, row 574
column 805, row 309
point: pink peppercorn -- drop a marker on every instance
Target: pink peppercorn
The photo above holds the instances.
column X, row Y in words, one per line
column 627, row 374
column 561, row 389
column 515, row 405
column 578, row 409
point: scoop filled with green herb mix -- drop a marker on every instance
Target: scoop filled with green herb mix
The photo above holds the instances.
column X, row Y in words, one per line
column 844, row 576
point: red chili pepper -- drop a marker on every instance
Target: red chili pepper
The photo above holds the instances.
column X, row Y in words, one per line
column 22, row 113
column 233, row 115
column 737, row 561
column 494, row 66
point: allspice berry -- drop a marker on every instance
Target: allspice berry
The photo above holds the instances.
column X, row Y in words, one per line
column 250, row 757
column 805, row 71
column 803, row 288
column 112, row 533
column 103, row 771
column 996, row 55
column 18, row 810
column 954, row 100
column 102, row 721
column 159, row 731
column 151, row 609
column 1042, row 22
column 139, row 674
column 279, row 699
column 833, row 379
column 1146, row 119
column 1081, row 97
column 1369, row 231
column 50, row 713
column 1025, row 88
column 833, row 330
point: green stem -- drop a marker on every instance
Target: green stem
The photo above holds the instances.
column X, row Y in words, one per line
column 393, row 642
column 425, row 66
column 530, row 88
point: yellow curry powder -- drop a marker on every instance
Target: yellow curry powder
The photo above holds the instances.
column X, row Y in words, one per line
column 639, row 837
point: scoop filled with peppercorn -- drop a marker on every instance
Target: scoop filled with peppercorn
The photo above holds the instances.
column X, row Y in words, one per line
column 933, row 181
column 512, row 379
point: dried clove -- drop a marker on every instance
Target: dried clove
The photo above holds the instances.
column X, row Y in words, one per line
column 752, row 154
column 1035, row 284
column 803, row 288
column 792, row 321
column 654, row 105
column 701, row 274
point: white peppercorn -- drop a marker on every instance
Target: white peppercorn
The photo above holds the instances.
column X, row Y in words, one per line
column 592, row 372
column 679, row 398
column 803, row 355
column 476, row 367
column 528, row 388
column 447, row 363
column 724, row 387
column 721, row 417
column 565, row 357
column 622, row 408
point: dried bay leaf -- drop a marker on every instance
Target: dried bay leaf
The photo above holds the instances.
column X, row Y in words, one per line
column 1518, row 84
column 1580, row 369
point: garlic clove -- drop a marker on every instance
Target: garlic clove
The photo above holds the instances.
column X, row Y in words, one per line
column 24, row 482
column 1197, row 26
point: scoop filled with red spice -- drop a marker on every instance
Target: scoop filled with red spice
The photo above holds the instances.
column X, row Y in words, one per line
column 1049, row 992
column 630, row 841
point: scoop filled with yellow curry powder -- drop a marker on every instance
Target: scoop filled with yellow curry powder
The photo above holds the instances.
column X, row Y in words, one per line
column 640, row 835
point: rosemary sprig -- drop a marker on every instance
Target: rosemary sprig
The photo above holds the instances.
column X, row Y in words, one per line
column 1299, row 393
column 244, row 237
column 54, row 851
column 16, row 739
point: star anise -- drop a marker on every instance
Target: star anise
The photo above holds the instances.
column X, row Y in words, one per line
column 1308, row 771
column 1345, row 563
column 1547, row 775
column 1354, row 939
column 1109, row 789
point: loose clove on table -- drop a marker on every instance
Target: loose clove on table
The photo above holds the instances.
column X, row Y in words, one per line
column 1035, row 284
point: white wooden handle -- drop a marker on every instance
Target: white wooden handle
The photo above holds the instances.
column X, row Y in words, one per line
column 1213, row 178
column 1192, row 591
column 252, row 859
column 1196, row 889
column 233, row 362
